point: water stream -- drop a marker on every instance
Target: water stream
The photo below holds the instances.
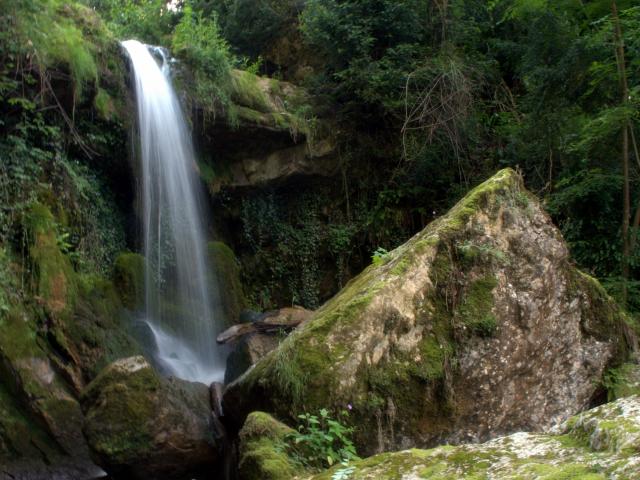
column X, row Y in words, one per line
column 179, row 286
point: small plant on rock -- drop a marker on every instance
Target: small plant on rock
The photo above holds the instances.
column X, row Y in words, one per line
column 322, row 441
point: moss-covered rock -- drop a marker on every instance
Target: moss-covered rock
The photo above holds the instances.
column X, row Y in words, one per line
column 139, row 425
column 54, row 337
column 226, row 268
column 596, row 445
column 29, row 375
column 477, row 326
column 128, row 278
column 52, row 274
column 269, row 134
column 263, row 450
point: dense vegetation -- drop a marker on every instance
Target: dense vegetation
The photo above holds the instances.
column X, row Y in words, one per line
column 428, row 97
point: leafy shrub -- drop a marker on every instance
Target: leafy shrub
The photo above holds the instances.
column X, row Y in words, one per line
column 322, row 441
column 198, row 42
column 150, row 21
column 379, row 256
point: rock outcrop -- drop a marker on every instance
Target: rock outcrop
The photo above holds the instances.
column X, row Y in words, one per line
column 56, row 333
column 141, row 426
column 267, row 136
column 599, row 444
column 478, row 326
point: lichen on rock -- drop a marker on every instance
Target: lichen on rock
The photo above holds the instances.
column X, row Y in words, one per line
column 477, row 326
column 599, row 444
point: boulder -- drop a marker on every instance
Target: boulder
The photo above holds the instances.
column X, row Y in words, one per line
column 263, row 450
column 247, row 352
column 480, row 325
column 139, row 425
column 598, row 444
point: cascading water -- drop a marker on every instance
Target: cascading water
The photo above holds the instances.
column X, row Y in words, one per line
column 177, row 281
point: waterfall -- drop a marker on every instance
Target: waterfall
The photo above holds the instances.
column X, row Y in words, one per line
column 178, row 284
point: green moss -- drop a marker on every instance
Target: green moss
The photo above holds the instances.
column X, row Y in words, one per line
column 97, row 329
column 121, row 412
column 433, row 355
column 475, row 308
column 572, row 471
column 128, row 278
column 227, row 269
column 247, row 92
column 504, row 184
column 263, row 449
column 19, row 435
column 18, row 334
column 53, row 277
column 104, row 104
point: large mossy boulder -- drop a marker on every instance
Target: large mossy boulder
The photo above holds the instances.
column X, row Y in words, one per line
column 141, row 426
column 599, row 444
column 479, row 325
column 263, row 450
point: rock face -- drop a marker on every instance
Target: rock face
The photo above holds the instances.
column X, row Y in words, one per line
column 55, row 335
column 599, row 444
column 230, row 298
column 141, row 426
column 265, row 137
column 478, row 326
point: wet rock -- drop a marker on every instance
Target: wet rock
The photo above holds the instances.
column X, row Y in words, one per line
column 247, row 352
column 478, row 326
column 139, row 425
column 229, row 298
column 254, row 340
column 598, row 444
column 128, row 278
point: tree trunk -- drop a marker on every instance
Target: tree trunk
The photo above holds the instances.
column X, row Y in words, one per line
column 626, row 201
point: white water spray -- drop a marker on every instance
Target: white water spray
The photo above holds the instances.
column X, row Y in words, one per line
column 177, row 280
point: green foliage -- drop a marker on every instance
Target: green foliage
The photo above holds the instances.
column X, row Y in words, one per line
column 197, row 41
column 150, row 21
column 6, row 282
column 322, row 441
column 379, row 256
column 251, row 25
